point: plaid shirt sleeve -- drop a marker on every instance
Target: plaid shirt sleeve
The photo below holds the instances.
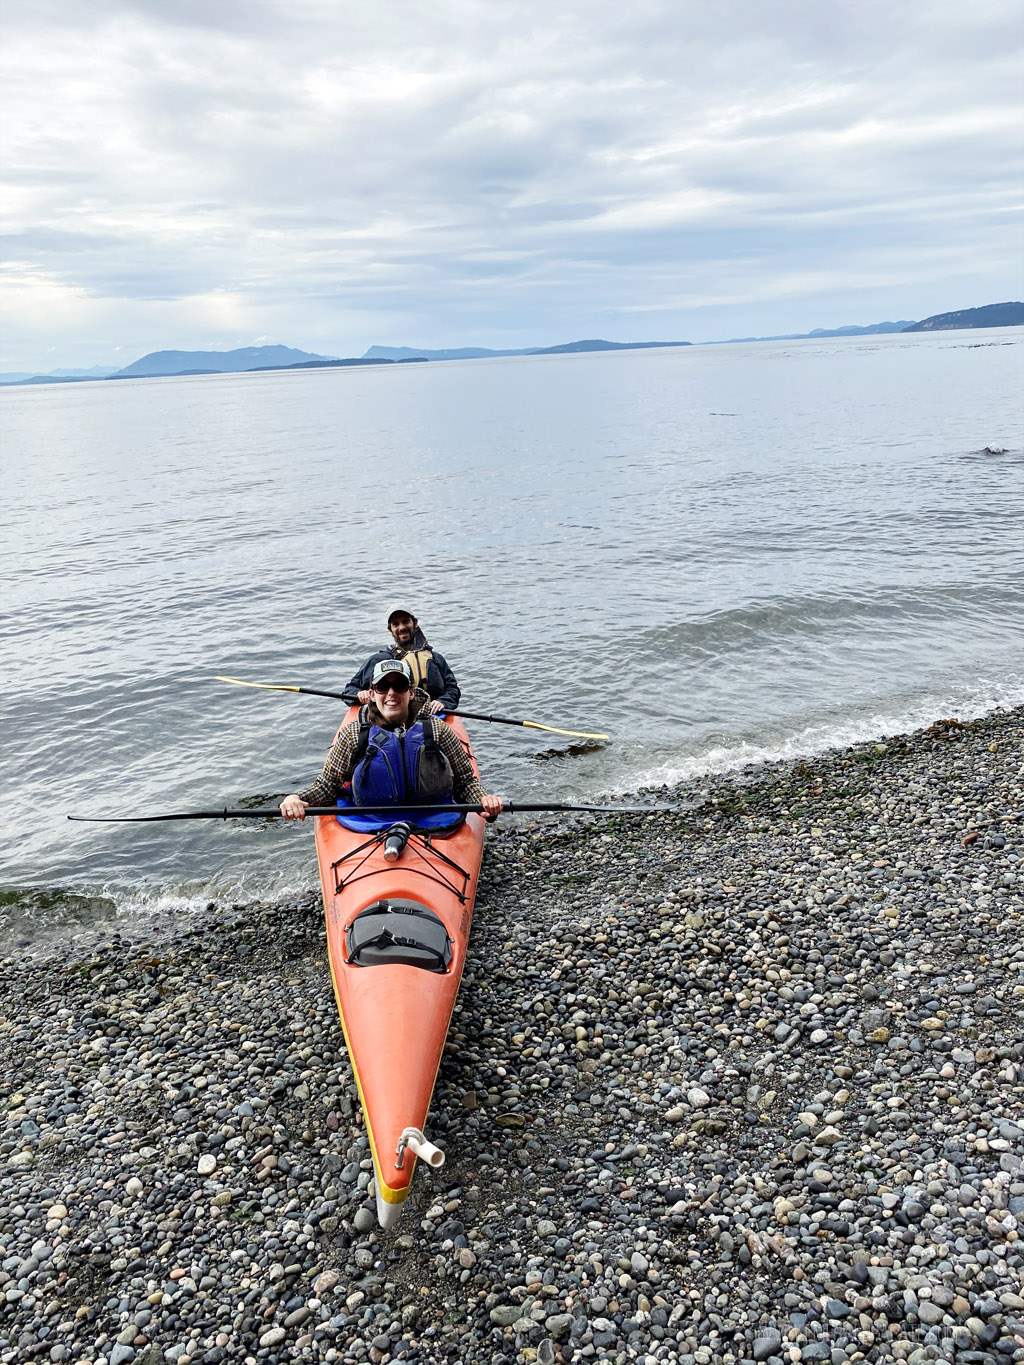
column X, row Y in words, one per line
column 337, row 769
column 339, row 766
column 466, row 786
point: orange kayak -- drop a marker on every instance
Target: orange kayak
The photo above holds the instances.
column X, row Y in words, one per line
column 397, row 932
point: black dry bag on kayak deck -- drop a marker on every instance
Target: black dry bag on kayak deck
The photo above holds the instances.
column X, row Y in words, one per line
column 398, row 932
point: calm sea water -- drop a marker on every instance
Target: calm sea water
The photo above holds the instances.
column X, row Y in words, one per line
column 716, row 554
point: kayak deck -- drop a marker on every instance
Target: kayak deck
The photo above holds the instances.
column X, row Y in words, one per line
column 395, row 978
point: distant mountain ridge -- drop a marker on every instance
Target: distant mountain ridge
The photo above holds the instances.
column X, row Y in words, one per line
column 872, row 329
column 217, row 362
column 572, row 347
column 246, row 359
column 456, row 353
column 990, row 315
column 483, row 353
column 94, row 372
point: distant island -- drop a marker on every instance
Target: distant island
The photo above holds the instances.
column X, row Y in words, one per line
column 247, row 359
column 54, row 376
column 991, row 315
column 216, row 362
column 872, row 329
column 482, row 353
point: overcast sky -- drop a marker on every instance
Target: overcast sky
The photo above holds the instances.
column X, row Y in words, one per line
column 331, row 174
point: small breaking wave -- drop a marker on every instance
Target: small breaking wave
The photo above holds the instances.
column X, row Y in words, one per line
column 819, row 737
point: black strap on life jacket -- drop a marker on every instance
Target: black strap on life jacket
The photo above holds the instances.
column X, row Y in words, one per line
column 363, row 738
column 430, row 744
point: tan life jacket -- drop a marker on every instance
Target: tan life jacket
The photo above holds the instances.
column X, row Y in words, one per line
column 418, row 660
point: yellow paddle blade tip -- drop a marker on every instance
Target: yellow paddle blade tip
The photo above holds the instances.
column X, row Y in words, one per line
column 266, row 687
column 553, row 730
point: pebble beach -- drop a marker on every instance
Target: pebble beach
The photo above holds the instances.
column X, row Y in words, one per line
column 739, row 1083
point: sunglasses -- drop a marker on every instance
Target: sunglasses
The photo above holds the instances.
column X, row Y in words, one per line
column 392, row 684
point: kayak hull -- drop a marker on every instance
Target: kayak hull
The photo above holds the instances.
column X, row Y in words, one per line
column 395, row 1016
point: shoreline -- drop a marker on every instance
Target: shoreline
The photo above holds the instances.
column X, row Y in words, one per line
column 745, row 1082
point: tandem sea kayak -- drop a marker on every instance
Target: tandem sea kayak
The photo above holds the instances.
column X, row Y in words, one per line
column 398, row 907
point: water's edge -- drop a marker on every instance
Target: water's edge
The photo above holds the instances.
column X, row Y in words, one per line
column 36, row 921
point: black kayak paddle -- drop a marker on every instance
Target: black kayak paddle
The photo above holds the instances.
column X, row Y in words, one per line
column 400, row 812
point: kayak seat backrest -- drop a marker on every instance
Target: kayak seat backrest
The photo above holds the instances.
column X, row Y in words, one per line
column 398, row 932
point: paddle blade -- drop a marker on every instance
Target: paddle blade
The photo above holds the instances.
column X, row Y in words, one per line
column 266, row 687
column 554, row 730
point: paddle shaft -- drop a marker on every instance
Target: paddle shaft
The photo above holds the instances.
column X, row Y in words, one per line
column 400, row 812
column 467, row 715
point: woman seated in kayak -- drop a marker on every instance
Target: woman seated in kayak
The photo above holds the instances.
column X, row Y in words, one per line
column 408, row 757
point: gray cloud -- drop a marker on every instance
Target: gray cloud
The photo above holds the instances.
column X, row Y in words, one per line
column 179, row 174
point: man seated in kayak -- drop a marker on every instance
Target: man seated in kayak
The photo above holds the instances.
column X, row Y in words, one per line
column 402, row 763
column 430, row 671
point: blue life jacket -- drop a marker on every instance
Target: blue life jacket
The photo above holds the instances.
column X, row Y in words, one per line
column 394, row 769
